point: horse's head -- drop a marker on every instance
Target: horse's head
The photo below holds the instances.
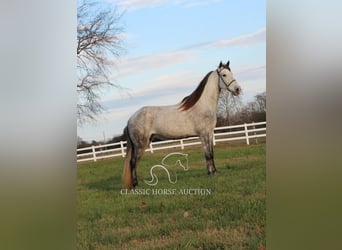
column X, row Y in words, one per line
column 226, row 79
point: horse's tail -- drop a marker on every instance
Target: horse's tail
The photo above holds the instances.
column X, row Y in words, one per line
column 127, row 173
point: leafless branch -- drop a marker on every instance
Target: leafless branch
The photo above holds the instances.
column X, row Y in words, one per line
column 98, row 43
column 228, row 105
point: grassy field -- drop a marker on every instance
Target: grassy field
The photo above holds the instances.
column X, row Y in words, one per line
column 226, row 212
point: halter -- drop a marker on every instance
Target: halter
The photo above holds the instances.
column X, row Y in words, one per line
column 224, row 81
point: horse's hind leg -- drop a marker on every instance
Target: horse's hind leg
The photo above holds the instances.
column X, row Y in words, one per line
column 136, row 156
column 208, row 149
column 137, row 152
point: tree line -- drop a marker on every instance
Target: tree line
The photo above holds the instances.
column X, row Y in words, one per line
column 231, row 111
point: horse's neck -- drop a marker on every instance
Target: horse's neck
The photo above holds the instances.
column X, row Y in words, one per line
column 210, row 95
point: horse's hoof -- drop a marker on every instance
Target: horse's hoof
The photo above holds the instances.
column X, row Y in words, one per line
column 212, row 173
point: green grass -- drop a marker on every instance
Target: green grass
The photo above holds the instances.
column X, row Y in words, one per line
column 232, row 216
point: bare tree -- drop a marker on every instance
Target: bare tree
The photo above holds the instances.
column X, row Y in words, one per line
column 254, row 111
column 260, row 102
column 98, row 43
column 228, row 105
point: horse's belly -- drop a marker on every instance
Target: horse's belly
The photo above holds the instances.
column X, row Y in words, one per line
column 171, row 126
column 173, row 133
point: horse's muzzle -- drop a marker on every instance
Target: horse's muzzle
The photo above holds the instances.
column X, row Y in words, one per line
column 237, row 91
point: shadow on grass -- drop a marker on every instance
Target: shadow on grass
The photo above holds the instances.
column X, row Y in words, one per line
column 110, row 184
column 246, row 165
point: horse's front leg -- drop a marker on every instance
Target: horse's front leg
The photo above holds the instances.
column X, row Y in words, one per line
column 208, row 149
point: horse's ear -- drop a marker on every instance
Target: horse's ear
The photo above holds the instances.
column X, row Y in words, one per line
column 227, row 64
column 220, row 64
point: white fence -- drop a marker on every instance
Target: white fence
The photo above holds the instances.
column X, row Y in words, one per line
column 221, row 134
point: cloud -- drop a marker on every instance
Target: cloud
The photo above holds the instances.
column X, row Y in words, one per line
column 250, row 72
column 139, row 4
column 195, row 3
column 173, row 80
column 119, row 113
column 165, row 59
column 244, row 40
column 131, row 5
column 167, row 83
column 155, row 61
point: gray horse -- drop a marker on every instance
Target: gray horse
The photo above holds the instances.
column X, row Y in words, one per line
column 195, row 115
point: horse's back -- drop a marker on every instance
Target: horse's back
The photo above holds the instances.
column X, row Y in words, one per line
column 163, row 121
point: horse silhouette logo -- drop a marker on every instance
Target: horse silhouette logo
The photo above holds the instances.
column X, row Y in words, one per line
column 164, row 166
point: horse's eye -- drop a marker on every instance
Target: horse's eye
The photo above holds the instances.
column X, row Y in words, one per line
column 224, row 75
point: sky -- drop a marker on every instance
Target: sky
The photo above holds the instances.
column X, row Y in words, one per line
column 170, row 46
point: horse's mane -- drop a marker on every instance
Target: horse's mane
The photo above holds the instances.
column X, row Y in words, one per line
column 191, row 99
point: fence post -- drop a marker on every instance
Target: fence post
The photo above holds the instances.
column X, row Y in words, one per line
column 256, row 138
column 151, row 148
column 246, row 134
column 122, row 149
column 94, row 153
column 182, row 144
